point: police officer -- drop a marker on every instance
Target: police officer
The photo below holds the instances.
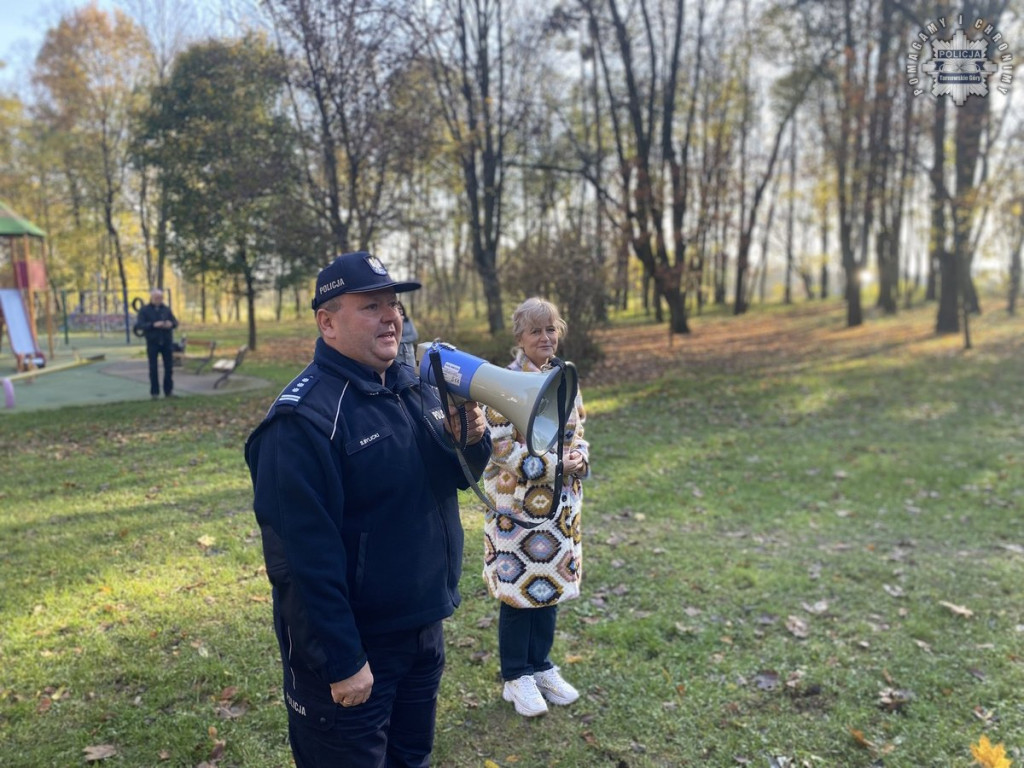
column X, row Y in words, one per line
column 157, row 323
column 355, row 487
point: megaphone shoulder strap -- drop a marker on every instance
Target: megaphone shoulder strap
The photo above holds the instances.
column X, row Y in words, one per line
column 442, row 392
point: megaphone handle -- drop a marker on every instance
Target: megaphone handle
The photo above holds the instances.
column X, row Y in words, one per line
column 446, row 397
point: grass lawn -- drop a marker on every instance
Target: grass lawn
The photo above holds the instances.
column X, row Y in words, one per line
column 803, row 546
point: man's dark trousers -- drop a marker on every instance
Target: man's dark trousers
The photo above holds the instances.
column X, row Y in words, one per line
column 394, row 728
column 156, row 349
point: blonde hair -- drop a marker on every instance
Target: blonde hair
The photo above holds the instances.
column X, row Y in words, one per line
column 536, row 311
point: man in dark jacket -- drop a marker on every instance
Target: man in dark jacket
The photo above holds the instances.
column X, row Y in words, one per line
column 157, row 323
column 355, row 491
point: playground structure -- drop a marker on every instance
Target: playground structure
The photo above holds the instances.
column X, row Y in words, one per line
column 22, row 281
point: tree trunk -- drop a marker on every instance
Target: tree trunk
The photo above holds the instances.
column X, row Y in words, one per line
column 788, row 290
column 939, row 196
column 1015, row 275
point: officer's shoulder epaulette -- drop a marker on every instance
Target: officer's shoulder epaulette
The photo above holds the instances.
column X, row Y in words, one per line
column 299, row 387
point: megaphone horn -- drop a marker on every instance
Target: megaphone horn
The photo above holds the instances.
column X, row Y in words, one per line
column 528, row 400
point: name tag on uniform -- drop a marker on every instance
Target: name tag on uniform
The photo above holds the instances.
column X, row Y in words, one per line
column 369, row 438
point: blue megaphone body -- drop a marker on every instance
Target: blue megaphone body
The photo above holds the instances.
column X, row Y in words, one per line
column 529, row 400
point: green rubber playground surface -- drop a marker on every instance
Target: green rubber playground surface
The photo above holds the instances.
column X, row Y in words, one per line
column 93, row 370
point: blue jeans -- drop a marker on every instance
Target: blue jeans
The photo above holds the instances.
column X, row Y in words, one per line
column 394, row 728
column 525, row 637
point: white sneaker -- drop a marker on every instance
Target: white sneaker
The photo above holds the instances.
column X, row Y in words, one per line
column 554, row 688
column 524, row 694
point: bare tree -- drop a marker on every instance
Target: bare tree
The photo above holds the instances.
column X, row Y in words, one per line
column 972, row 128
column 167, row 25
column 348, row 61
column 649, row 93
column 479, row 53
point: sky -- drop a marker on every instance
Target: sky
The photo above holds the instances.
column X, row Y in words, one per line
column 20, row 28
column 23, row 24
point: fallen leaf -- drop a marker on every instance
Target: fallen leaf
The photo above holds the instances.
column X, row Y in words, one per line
column 893, row 591
column 228, row 693
column 957, row 610
column 232, row 711
column 986, row 716
column 990, row 755
column 892, row 700
column 99, row 752
column 217, row 752
column 796, row 626
column 767, row 680
column 816, row 608
column 858, row 736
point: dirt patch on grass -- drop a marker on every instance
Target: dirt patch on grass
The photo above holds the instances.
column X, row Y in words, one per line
column 780, row 340
column 774, row 341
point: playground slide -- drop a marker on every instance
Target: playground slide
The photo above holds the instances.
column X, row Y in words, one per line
column 15, row 318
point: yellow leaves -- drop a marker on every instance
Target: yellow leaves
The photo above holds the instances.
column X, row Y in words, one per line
column 988, row 755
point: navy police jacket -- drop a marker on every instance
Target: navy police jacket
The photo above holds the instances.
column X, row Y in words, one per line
column 355, row 488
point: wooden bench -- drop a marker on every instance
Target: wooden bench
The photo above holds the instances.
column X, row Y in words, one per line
column 225, row 366
column 205, row 351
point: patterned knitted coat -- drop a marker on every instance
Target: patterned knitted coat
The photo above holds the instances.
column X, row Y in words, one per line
column 532, row 558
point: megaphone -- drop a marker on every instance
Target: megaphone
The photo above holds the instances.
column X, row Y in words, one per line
column 529, row 400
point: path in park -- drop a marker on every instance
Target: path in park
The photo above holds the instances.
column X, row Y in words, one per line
column 120, row 373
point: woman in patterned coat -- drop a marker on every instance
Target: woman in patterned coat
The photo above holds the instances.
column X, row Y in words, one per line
column 533, row 556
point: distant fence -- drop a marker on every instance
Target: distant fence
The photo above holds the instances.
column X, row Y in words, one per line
column 94, row 321
column 101, row 312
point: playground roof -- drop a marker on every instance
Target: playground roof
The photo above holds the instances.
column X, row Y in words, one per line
column 13, row 225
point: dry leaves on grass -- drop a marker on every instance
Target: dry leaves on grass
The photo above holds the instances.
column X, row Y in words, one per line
column 797, row 627
column 229, row 707
column 99, row 752
column 872, row 747
column 957, row 610
column 216, row 749
column 893, row 700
